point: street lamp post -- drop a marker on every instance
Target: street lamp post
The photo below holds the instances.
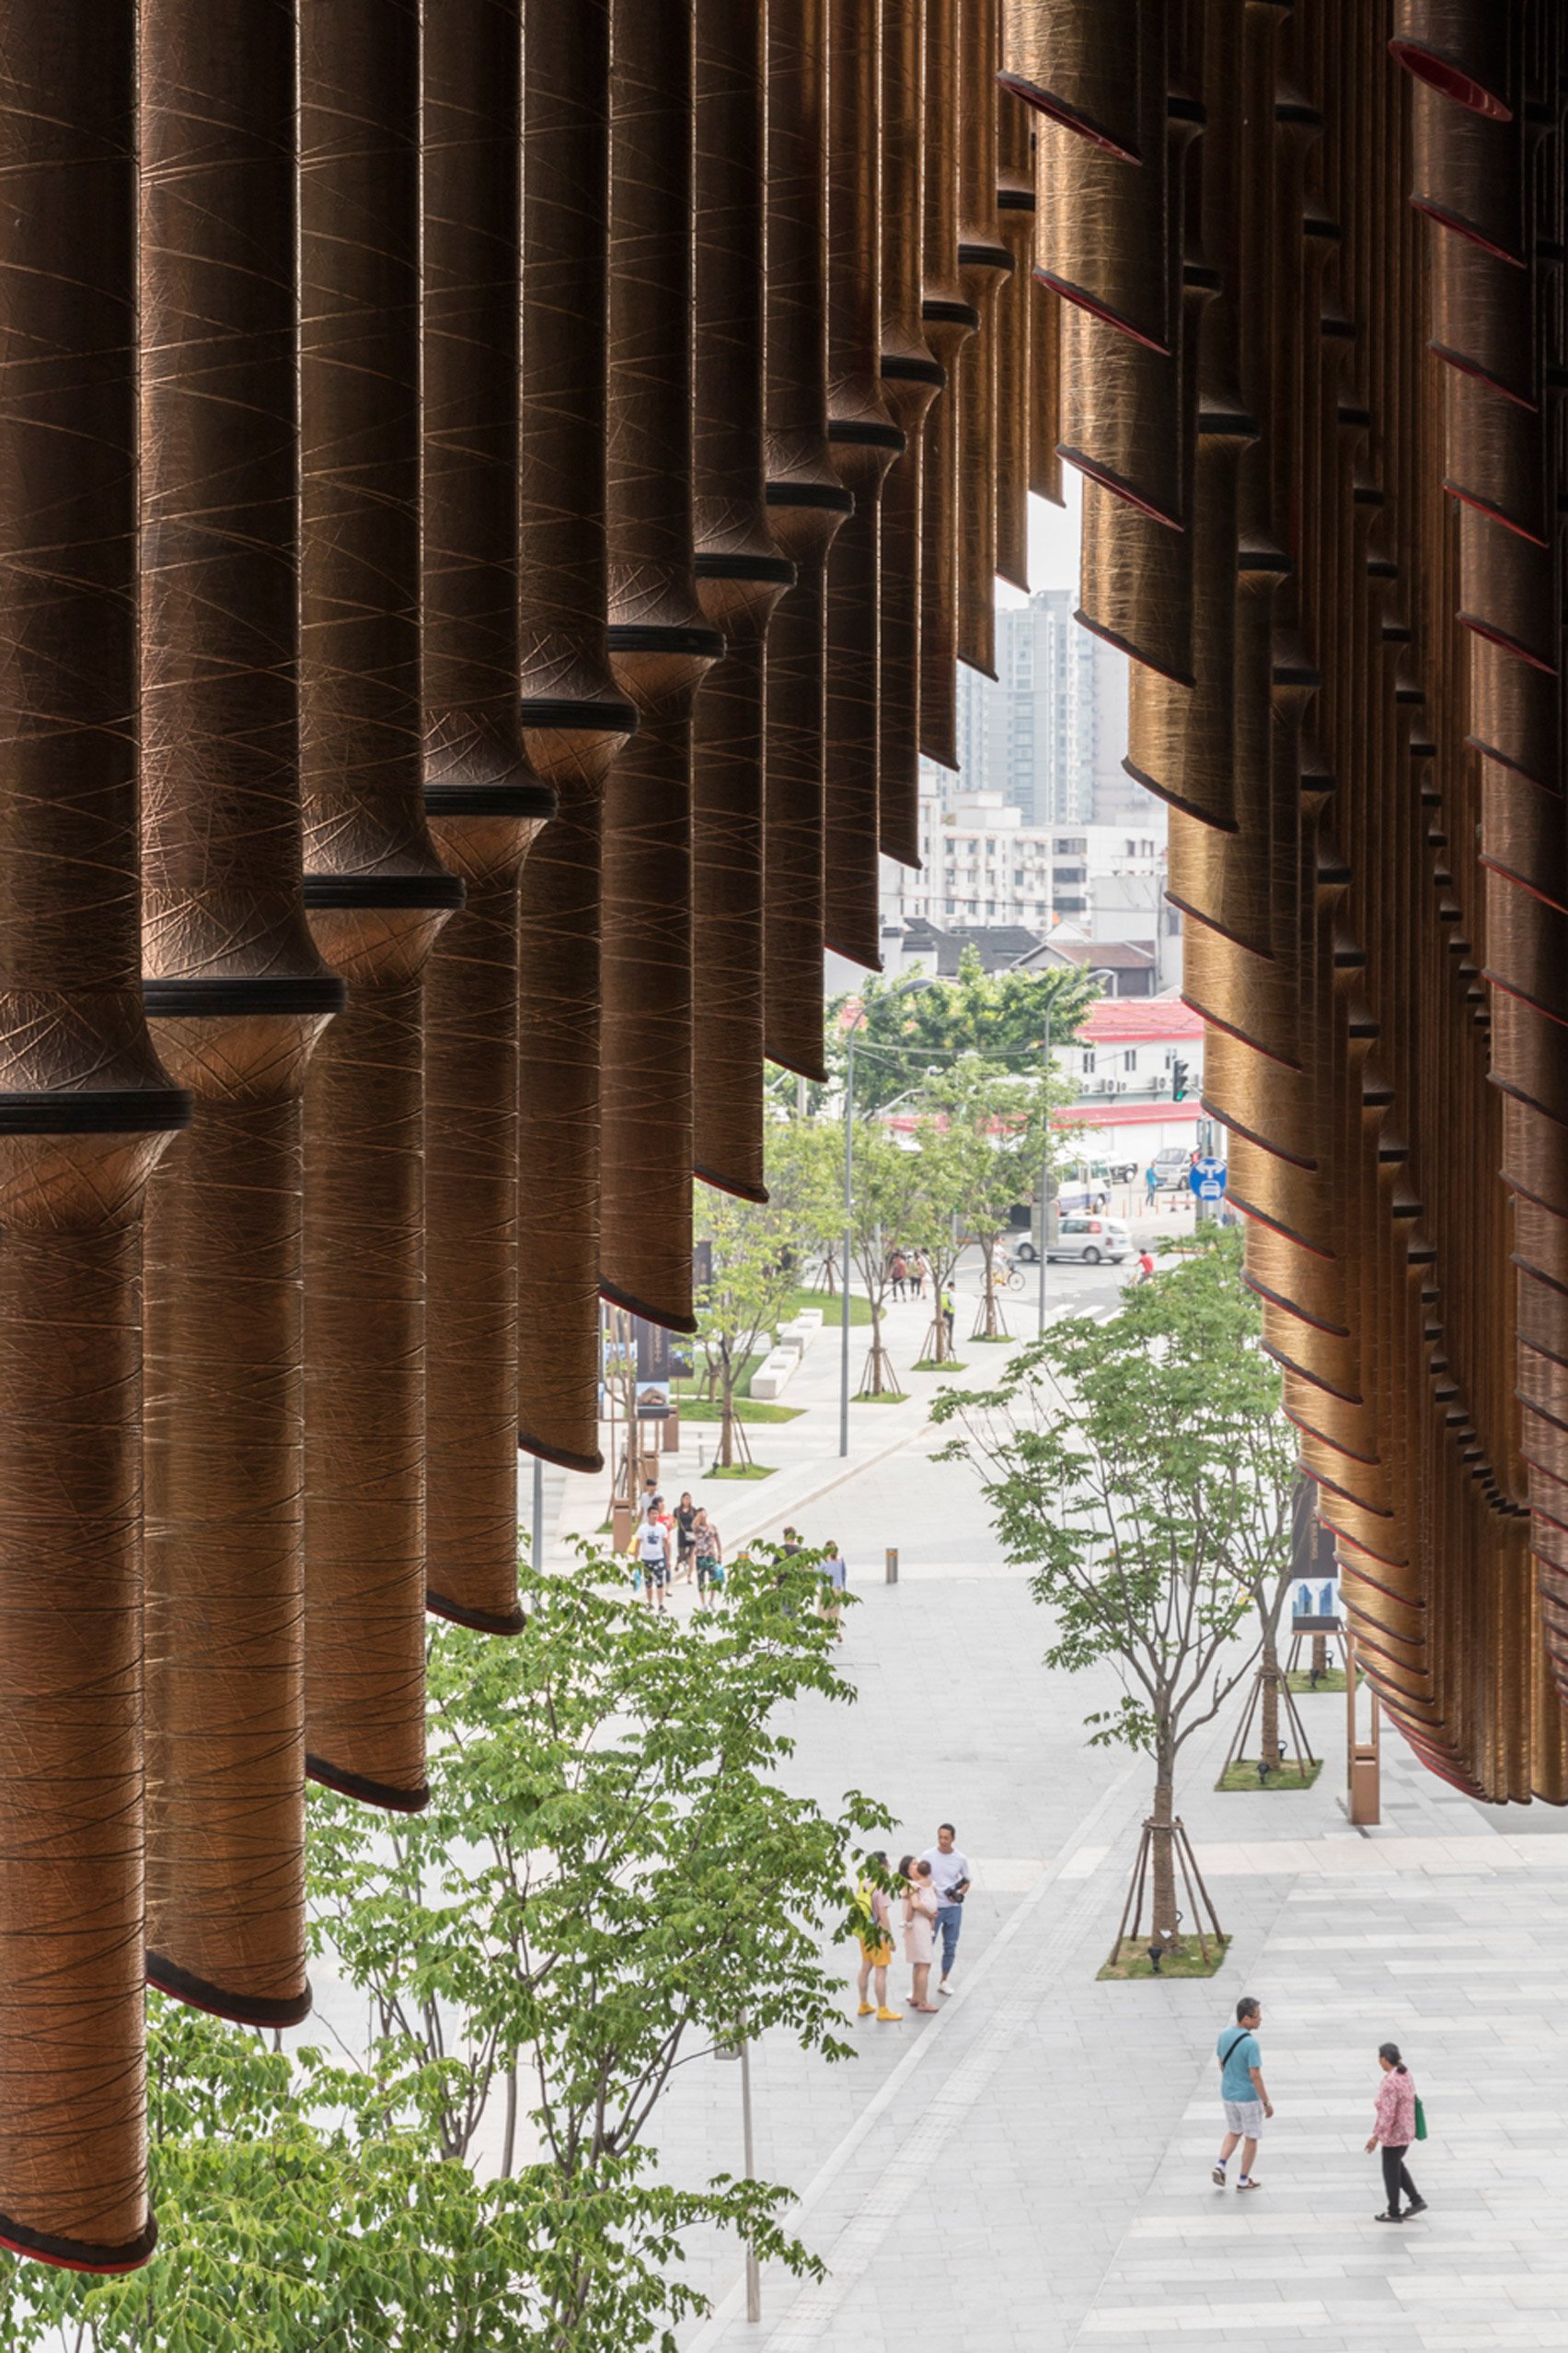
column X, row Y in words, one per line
column 753, row 2269
column 843, row 1300
column 1045, row 1172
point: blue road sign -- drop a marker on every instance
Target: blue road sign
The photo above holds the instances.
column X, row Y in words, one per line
column 1207, row 1180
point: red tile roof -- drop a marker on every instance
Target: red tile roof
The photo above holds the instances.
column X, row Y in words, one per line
column 1133, row 1020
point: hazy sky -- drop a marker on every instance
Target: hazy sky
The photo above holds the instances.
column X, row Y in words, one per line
column 1053, row 542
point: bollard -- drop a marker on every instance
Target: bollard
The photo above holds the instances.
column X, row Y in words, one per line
column 892, row 1564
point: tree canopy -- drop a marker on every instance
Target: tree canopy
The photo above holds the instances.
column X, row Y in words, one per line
column 923, row 1023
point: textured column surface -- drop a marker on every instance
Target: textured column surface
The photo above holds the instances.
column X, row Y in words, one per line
column 85, row 1110
column 806, row 506
column 237, row 996
column 574, row 718
column 484, row 803
column 912, row 377
column 741, row 576
column 660, row 646
column 377, row 894
column 864, row 441
column 949, row 322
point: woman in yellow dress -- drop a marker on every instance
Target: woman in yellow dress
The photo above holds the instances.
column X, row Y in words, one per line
column 876, row 1946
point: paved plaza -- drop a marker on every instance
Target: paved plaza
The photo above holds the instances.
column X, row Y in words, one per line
column 1030, row 2170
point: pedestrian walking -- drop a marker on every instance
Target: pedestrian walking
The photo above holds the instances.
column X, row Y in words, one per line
column 686, row 1520
column 1397, row 2123
column 950, row 1877
column 1146, row 1267
column 1151, row 1184
column 919, row 1924
column 654, row 1554
column 949, row 1310
column 876, row 1944
column 1241, row 2092
column 922, row 1273
column 709, row 1553
column 836, row 1571
column 898, row 1269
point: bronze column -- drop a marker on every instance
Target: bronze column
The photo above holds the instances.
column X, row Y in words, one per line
column 660, row 647
column 950, row 321
column 863, row 441
column 378, row 895
column 574, row 718
column 84, row 1111
column 740, row 577
column 911, row 380
column 484, row 803
column 238, row 997
column 806, row 504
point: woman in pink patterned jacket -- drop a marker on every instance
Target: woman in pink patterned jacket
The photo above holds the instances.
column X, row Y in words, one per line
column 1393, row 2132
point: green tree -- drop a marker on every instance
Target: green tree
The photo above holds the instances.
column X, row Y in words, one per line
column 890, row 1205
column 999, row 1132
column 1139, row 1466
column 609, row 1876
column 754, row 1251
column 1000, row 1017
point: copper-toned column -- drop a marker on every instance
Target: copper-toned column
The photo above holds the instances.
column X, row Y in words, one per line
column 806, row 506
column 84, row 1114
column 986, row 264
column 484, row 803
column 741, row 576
column 377, row 892
column 949, row 321
column 660, row 647
column 574, row 718
column 238, row 997
column 1015, row 221
column 911, row 381
column 864, row 442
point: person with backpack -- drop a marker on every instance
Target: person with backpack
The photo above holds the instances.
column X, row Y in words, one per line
column 1241, row 2092
column 1398, row 2120
column 709, row 1560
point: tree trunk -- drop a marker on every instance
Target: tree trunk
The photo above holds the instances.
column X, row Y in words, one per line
column 942, row 1351
column 1163, row 1843
column 727, row 1418
column 1270, row 1734
column 990, row 1277
column 1319, row 1655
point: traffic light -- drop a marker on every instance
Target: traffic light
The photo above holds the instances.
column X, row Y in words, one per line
column 1178, row 1082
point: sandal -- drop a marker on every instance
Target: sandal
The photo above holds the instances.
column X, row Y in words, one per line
column 1386, row 2217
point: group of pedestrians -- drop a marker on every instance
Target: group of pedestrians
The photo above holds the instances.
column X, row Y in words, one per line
column 929, row 1914
column 1398, row 2117
column 909, row 1271
column 684, row 1544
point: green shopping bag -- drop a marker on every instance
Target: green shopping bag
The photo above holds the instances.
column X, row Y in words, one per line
column 1420, row 2119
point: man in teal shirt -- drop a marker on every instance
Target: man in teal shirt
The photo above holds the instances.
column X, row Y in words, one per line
column 1241, row 2092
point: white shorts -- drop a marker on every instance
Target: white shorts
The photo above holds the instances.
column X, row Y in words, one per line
column 1245, row 2117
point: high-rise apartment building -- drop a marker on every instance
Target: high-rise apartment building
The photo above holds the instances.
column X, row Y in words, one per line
column 1050, row 731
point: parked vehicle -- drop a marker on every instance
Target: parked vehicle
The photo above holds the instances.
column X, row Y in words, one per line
column 1172, row 1168
column 1088, row 1240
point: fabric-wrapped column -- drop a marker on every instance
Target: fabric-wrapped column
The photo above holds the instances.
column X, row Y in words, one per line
column 863, row 441
column 377, row 894
column 911, row 381
column 740, row 577
column 950, row 321
column 85, row 1111
column 574, row 718
column 484, row 803
column 806, row 506
column 237, row 996
column 660, row 647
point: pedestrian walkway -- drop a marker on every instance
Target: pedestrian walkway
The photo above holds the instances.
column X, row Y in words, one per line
column 1028, row 2171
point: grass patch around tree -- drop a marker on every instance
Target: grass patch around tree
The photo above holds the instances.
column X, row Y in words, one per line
column 830, row 1304
column 1295, row 1774
column 1133, row 1961
column 742, row 1470
column 747, row 1409
column 881, row 1397
column 940, row 1365
column 1331, row 1679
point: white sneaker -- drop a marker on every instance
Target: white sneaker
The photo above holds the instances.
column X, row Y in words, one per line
column 943, row 1987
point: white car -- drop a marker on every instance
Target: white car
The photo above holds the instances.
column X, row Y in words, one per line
column 1090, row 1239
